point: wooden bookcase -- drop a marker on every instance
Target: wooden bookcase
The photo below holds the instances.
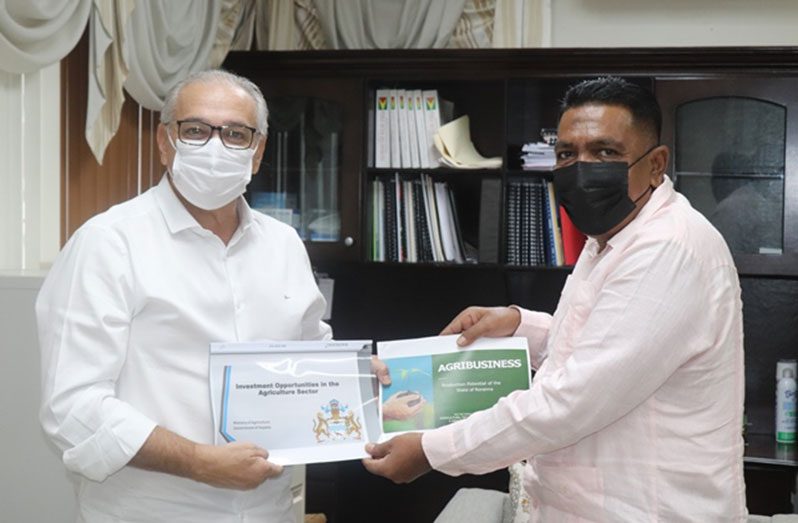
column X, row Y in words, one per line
column 510, row 95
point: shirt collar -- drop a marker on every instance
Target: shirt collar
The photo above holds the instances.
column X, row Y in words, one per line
column 177, row 216
column 244, row 213
column 659, row 197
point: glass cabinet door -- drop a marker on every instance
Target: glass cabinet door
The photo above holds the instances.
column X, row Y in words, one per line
column 309, row 175
column 733, row 147
column 298, row 183
column 729, row 162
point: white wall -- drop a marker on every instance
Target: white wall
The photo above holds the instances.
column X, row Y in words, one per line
column 666, row 23
column 34, row 486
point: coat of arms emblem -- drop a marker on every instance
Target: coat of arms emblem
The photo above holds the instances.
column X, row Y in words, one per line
column 336, row 422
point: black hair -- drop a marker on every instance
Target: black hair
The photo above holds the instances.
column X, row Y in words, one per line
column 611, row 90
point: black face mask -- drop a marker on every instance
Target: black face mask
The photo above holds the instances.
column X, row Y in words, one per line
column 596, row 194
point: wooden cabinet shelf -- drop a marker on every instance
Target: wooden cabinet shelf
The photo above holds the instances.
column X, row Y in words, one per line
column 447, row 172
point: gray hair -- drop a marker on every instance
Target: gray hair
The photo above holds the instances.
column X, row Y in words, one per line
column 220, row 76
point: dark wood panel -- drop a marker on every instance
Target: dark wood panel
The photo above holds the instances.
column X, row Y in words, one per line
column 383, row 301
column 768, row 489
column 151, row 168
column 499, row 63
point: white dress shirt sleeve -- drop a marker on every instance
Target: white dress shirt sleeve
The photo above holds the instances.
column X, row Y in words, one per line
column 633, row 333
column 83, row 313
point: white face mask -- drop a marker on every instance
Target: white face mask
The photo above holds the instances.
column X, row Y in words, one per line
column 212, row 175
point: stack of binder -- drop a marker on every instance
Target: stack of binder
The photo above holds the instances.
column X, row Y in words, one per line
column 404, row 123
column 533, row 225
column 414, row 220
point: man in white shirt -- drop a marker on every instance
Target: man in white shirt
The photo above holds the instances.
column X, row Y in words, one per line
column 130, row 306
column 635, row 412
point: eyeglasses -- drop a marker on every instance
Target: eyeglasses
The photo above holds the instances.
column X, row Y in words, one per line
column 193, row 132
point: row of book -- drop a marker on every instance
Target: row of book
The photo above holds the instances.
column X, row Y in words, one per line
column 414, row 220
column 405, row 122
column 538, row 230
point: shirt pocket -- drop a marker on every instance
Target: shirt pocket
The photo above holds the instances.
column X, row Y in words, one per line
column 574, row 489
column 579, row 303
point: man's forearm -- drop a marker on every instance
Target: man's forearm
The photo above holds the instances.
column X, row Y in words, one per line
column 165, row 451
column 237, row 465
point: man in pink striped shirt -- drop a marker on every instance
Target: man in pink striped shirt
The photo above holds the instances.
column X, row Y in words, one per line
column 635, row 412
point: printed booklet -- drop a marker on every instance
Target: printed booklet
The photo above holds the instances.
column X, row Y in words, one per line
column 303, row 401
column 435, row 382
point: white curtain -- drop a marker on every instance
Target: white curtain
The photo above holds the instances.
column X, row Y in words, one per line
column 308, row 32
column 37, row 33
column 230, row 19
column 107, row 72
column 388, row 24
column 522, row 23
column 148, row 46
column 276, row 27
column 344, row 24
column 474, row 29
column 166, row 41
column 245, row 32
column 368, row 24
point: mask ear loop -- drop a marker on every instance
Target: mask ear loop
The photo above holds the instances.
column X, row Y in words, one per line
column 171, row 140
column 650, row 187
column 174, row 146
column 643, row 156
